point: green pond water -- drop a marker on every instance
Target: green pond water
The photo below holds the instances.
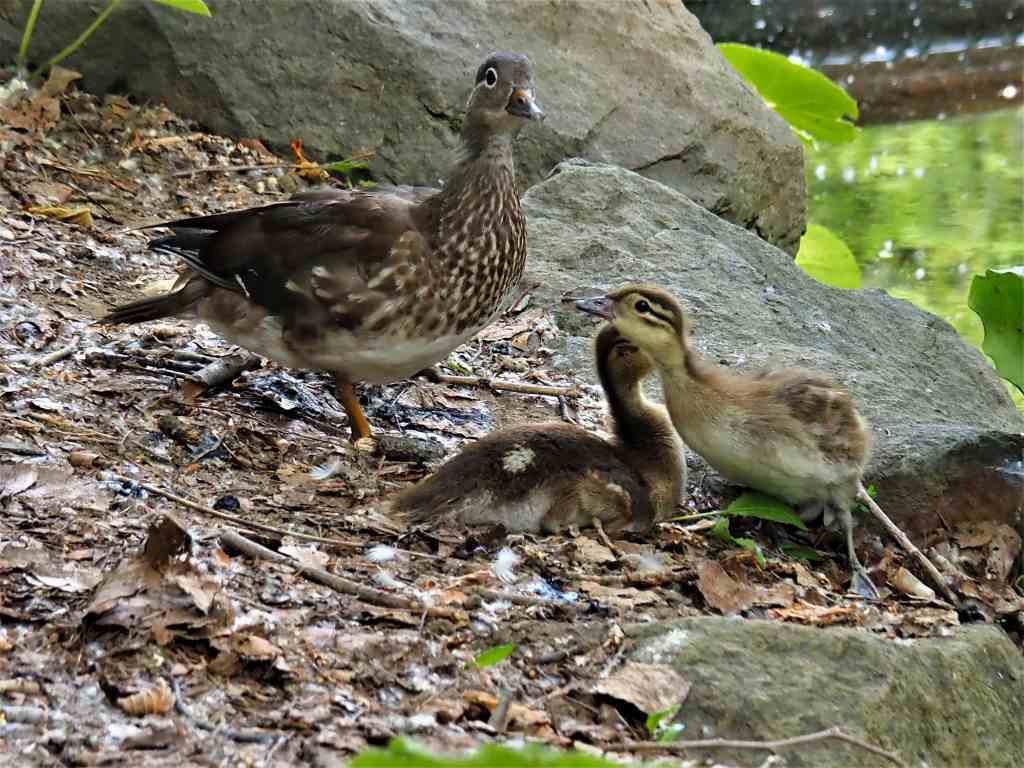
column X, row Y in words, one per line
column 925, row 206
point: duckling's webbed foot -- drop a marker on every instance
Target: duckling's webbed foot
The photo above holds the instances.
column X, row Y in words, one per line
column 860, row 581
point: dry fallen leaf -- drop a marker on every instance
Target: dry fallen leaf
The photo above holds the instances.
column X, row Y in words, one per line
column 648, row 687
column 80, row 216
column 721, row 591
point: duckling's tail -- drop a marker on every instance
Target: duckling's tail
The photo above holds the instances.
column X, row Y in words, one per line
column 156, row 307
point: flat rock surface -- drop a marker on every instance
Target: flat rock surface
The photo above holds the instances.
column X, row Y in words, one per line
column 948, row 436
column 749, row 679
column 635, row 84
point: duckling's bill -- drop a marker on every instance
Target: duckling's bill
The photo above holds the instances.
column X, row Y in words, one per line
column 599, row 305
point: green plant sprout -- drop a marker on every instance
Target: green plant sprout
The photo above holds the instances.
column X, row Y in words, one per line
column 197, row 7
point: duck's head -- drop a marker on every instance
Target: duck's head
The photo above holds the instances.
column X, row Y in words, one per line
column 502, row 100
column 650, row 318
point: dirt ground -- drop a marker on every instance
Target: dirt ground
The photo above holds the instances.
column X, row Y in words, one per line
column 201, row 576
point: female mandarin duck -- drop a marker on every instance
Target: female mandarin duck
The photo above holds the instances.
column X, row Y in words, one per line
column 371, row 285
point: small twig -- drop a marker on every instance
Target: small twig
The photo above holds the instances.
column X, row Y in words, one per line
column 232, row 169
column 87, row 172
column 222, row 371
column 907, row 544
column 599, row 527
column 681, row 746
column 506, row 386
column 338, row 583
column 234, row 519
column 647, row 579
column 58, row 354
column 244, row 737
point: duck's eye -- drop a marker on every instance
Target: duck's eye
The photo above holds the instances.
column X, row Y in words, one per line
column 642, row 306
column 490, row 77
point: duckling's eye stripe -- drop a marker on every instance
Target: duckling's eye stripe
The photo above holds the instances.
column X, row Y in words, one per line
column 659, row 315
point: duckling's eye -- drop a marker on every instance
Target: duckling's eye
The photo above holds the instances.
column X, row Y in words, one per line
column 642, row 306
column 490, row 77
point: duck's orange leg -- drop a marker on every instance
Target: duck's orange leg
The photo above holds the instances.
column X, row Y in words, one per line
column 356, row 418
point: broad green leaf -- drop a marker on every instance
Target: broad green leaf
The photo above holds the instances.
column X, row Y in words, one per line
column 826, row 258
column 192, row 6
column 800, row 552
column 494, row 655
column 815, row 108
column 997, row 297
column 765, row 507
column 402, row 753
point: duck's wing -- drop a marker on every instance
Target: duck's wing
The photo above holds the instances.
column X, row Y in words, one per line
column 269, row 253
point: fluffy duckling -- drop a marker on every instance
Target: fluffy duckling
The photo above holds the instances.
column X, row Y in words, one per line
column 787, row 432
column 543, row 478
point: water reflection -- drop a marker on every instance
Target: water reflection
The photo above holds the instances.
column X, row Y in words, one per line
column 925, row 206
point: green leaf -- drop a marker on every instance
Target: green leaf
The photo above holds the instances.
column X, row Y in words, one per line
column 658, row 726
column 345, row 167
column 752, row 546
column 191, row 6
column 765, row 507
column 997, row 297
column 720, row 530
column 800, row 552
column 815, row 108
column 494, row 655
column 402, row 753
column 826, row 258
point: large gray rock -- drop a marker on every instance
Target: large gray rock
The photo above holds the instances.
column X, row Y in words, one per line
column 949, row 440
column 947, row 702
column 635, row 84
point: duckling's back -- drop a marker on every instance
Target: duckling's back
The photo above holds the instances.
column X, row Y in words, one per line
column 541, row 479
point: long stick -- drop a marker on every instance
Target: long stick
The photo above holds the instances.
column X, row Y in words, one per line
column 254, row 526
column 681, row 746
column 338, row 583
column 907, row 544
column 507, row 386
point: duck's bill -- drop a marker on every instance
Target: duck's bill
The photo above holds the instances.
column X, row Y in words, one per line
column 521, row 104
column 599, row 305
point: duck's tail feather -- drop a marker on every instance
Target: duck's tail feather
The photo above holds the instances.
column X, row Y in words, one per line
column 156, row 307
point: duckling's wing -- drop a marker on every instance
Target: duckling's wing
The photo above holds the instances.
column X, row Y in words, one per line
column 827, row 413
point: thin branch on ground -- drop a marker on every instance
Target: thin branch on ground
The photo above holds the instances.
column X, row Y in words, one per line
column 904, row 541
column 58, row 354
column 369, row 595
column 835, row 732
column 263, row 527
column 497, row 385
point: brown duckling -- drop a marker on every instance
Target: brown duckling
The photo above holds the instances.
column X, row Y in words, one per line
column 790, row 433
column 543, row 478
column 371, row 285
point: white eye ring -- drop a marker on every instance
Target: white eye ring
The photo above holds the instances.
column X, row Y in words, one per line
column 490, row 77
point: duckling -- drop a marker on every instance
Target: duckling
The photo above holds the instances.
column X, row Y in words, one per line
column 790, row 433
column 543, row 478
